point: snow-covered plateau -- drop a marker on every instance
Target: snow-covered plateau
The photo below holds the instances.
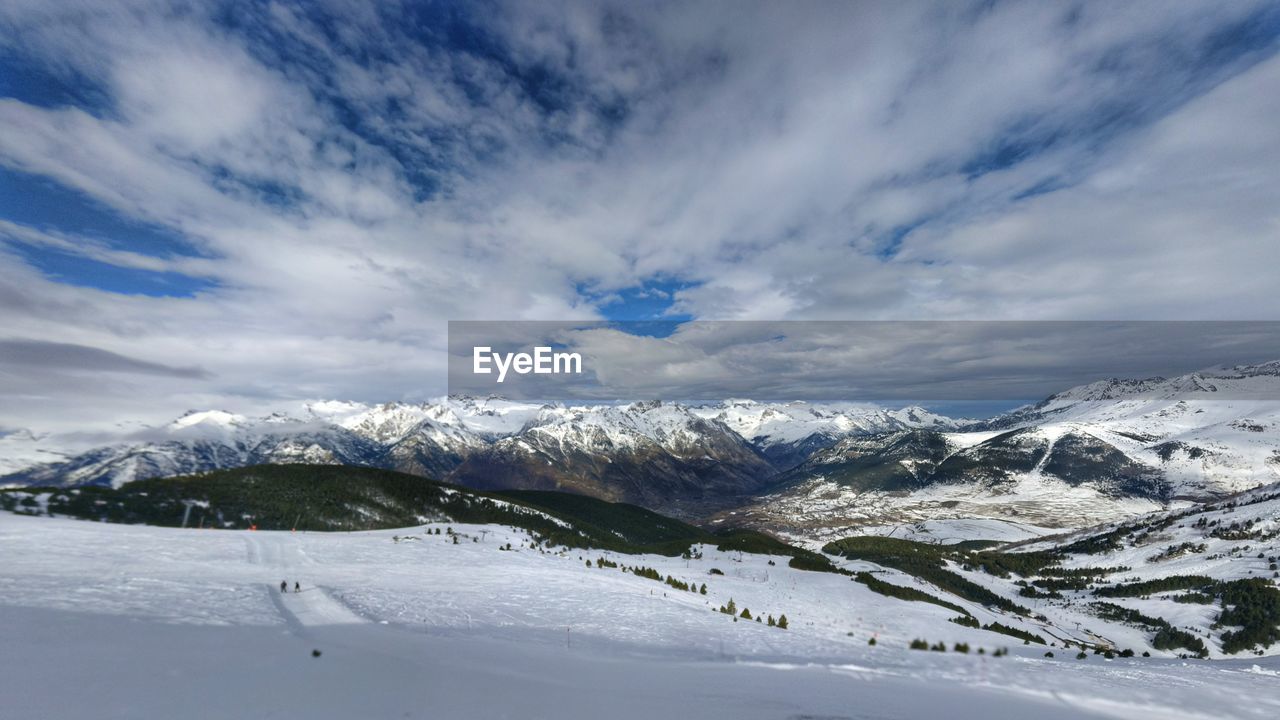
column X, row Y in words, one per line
column 112, row 621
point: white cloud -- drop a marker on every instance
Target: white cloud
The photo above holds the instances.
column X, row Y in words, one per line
column 351, row 200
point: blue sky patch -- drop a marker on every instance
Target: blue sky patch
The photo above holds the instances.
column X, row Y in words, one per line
column 45, row 205
column 651, row 300
column 37, row 85
column 648, row 328
column 85, row 272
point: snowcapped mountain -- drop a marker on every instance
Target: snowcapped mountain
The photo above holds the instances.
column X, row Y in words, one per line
column 649, row 453
column 424, row 439
column 203, row 441
column 1096, row 452
column 495, row 417
column 770, row 424
column 1207, row 433
column 700, row 451
column 1115, row 399
column 22, row 448
column 788, row 433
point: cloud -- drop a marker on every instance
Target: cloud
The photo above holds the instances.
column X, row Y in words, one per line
column 1002, row 363
column 350, row 177
column 97, row 250
column 18, row 354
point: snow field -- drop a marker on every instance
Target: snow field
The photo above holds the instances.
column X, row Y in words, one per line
column 468, row 630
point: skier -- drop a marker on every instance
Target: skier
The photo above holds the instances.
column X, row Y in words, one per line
column 296, row 587
column 284, row 586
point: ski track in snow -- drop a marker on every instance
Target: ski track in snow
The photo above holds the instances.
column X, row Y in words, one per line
column 307, row 607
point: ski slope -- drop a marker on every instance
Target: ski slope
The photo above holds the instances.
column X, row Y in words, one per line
column 110, row 621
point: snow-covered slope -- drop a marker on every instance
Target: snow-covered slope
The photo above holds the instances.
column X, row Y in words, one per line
column 1167, row 561
column 1207, row 433
column 1099, row 452
column 1201, row 435
column 424, row 627
column 1116, row 398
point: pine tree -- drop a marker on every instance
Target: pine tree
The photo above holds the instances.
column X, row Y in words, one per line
column 772, row 622
column 746, row 614
column 704, row 589
column 731, row 608
column 782, row 621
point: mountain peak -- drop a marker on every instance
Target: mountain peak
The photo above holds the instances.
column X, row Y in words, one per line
column 212, row 419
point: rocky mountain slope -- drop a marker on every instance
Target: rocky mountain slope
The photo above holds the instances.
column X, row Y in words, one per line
column 661, row 455
column 1100, row 451
column 789, row 433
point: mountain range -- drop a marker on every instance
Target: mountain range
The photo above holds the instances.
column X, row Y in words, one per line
column 1099, row 451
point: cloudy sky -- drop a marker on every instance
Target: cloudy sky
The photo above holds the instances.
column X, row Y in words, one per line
column 248, row 204
column 969, row 368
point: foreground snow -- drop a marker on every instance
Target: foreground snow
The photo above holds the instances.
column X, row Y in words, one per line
column 121, row 621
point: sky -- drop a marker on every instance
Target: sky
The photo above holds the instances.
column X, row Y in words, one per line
column 969, row 368
column 244, row 205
